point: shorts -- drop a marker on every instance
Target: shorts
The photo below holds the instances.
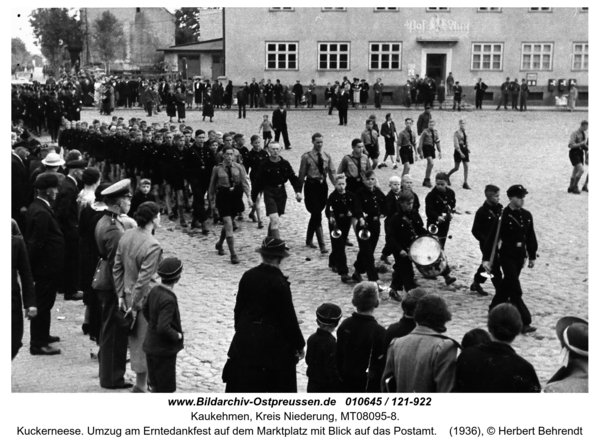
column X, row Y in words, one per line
column 267, row 135
column 373, row 151
column 229, row 203
column 458, row 158
column 390, row 146
column 429, row 151
column 406, row 155
column 275, row 200
column 175, row 181
column 576, row 156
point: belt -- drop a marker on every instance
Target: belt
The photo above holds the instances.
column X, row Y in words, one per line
column 276, row 185
column 315, row 180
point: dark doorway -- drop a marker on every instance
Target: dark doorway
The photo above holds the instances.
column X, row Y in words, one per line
column 436, row 67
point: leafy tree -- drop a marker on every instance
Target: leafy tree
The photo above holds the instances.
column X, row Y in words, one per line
column 20, row 57
column 56, row 29
column 108, row 37
column 188, row 25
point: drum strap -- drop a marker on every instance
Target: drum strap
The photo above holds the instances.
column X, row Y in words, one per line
column 407, row 220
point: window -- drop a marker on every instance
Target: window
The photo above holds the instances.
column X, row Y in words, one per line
column 334, row 56
column 385, row 55
column 489, row 9
column 545, row 9
column 387, row 9
column 333, row 9
column 282, row 56
column 580, row 57
column 216, row 58
column 487, row 56
column 138, row 9
column 537, row 56
column 282, row 8
column 439, row 9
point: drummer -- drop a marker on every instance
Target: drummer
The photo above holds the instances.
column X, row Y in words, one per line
column 339, row 209
column 404, row 227
column 440, row 204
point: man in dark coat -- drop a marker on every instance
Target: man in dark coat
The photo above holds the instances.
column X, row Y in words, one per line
column 199, row 163
column 298, row 91
column 343, row 99
column 19, row 185
column 514, row 93
column 268, row 342
column 46, row 251
column 67, row 214
column 242, row 99
column 279, row 121
column 114, row 330
column 523, row 95
column 479, row 88
column 505, row 94
column 253, row 94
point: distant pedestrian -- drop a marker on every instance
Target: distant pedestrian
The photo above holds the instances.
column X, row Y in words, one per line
column 480, row 88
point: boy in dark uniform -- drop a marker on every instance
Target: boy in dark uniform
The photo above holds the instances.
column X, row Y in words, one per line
column 519, row 243
column 254, row 159
column 322, row 370
column 369, row 208
column 485, row 218
column 142, row 195
column 339, row 212
column 440, row 204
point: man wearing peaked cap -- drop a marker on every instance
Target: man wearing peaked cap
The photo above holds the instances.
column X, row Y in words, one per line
column 320, row 354
column 67, row 214
column 519, row 243
column 46, row 251
column 164, row 338
column 268, row 342
column 118, row 189
column 572, row 377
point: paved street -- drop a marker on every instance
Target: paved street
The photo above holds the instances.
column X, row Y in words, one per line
column 506, row 148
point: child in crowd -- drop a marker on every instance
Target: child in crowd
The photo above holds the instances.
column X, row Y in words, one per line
column 254, row 159
column 142, row 195
column 339, row 212
column 322, row 370
column 391, row 201
column 407, row 323
column 267, row 130
column 359, row 351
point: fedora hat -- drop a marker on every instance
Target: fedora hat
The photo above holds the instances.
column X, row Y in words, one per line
column 53, row 160
column 572, row 333
column 273, row 247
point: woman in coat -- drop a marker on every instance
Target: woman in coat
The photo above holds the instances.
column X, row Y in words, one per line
column 171, row 102
column 180, row 104
column 136, row 262
column 207, row 106
column 228, row 94
column 364, row 93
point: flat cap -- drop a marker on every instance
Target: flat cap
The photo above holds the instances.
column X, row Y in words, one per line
column 516, row 191
column 90, row 176
column 329, row 314
column 77, row 164
column 46, row 180
column 170, row 268
column 120, row 188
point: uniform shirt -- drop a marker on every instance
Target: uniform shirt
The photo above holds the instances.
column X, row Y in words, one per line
column 392, row 205
column 388, row 129
column 485, row 219
column 438, row 203
column 460, row 141
column 369, row 203
column 354, row 167
column 220, row 178
column 275, row 174
column 403, row 229
column 406, row 138
column 423, row 122
column 254, row 159
column 370, row 138
column 338, row 205
column 309, row 168
column 578, row 140
column 516, row 235
column 199, row 163
column 429, row 137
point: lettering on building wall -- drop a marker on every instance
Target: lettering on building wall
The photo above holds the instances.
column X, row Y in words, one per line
column 437, row 25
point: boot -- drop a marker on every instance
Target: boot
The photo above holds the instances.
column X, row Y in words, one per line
column 219, row 245
column 449, row 279
column 570, row 189
column 466, row 186
column 195, row 224
column 477, row 287
column 427, row 182
column 204, row 228
column 309, row 238
column 345, row 278
column 322, row 246
column 230, row 245
column 182, row 221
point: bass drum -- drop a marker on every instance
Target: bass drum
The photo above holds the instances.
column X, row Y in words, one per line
column 428, row 256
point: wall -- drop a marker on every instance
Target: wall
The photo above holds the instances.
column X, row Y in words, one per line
column 211, row 24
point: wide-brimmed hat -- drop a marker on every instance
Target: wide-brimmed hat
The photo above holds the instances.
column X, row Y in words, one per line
column 572, row 333
column 53, row 160
column 273, row 247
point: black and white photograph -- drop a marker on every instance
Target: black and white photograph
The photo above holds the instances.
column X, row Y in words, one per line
column 354, row 202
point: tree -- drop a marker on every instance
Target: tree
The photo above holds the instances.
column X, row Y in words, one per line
column 20, row 57
column 188, row 25
column 56, row 29
column 107, row 37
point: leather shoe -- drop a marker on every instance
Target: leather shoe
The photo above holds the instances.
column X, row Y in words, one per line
column 44, row 350
column 345, row 278
column 125, row 385
column 528, row 329
column 449, row 280
column 477, row 287
column 356, row 277
column 311, row 245
column 53, row 339
column 77, row 296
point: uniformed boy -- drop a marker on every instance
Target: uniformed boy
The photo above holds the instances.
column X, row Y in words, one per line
column 339, row 212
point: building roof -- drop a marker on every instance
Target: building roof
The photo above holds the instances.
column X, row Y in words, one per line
column 207, row 45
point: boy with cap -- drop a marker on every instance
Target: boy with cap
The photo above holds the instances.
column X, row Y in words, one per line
column 322, row 371
column 359, row 350
column 164, row 338
column 519, row 242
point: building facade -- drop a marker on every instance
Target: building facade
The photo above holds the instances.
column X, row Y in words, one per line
column 541, row 45
column 144, row 29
